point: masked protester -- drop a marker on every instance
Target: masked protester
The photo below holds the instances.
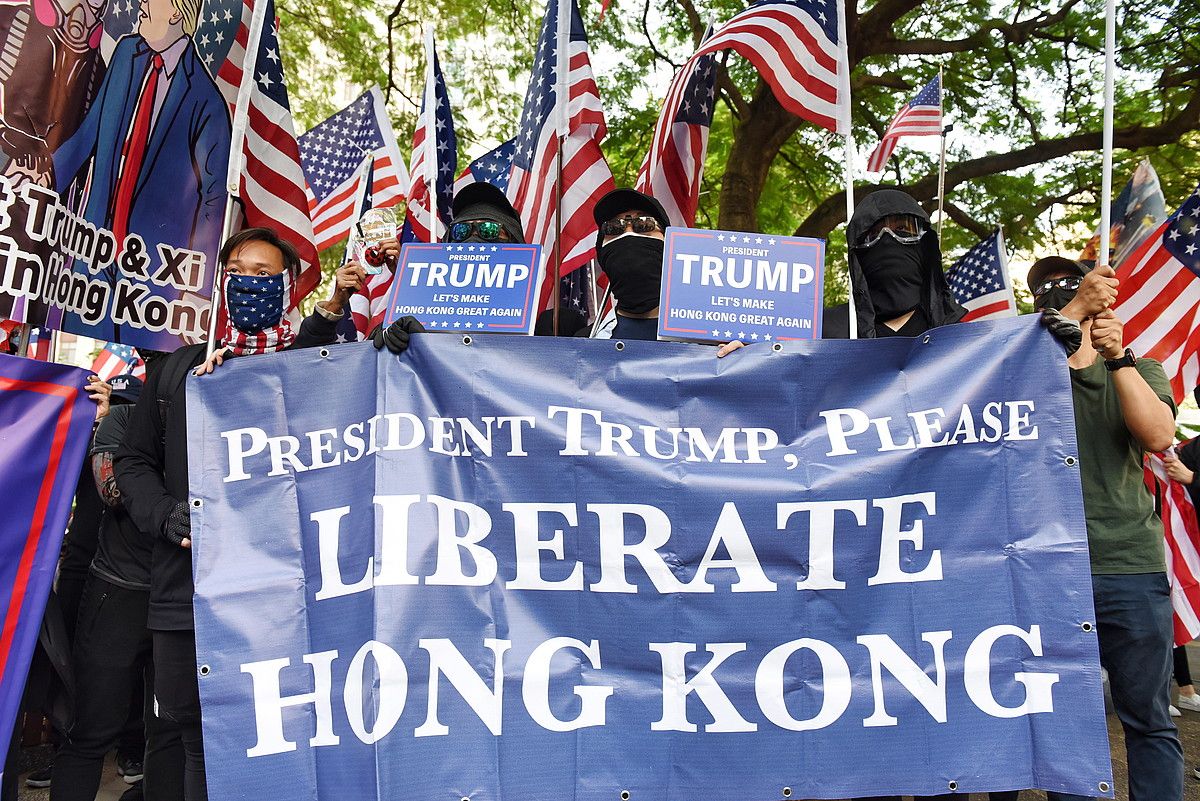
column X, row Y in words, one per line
column 1123, row 407
column 151, row 463
column 629, row 248
column 895, row 272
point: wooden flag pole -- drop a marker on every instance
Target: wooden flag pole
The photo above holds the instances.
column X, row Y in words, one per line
column 1110, row 49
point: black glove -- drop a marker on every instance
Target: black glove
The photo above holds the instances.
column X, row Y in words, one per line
column 395, row 336
column 179, row 524
column 1064, row 329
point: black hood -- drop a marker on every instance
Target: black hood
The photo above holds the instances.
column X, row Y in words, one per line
column 937, row 302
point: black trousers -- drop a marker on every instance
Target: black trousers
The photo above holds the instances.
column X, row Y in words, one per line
column 111, row 658
column 178, row 692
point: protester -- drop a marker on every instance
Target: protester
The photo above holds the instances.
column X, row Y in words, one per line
column 570, row 324
column 629, row 248
column 1123, row 407
column 151, row 463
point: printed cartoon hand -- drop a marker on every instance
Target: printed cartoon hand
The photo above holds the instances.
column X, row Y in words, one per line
column 30, row 169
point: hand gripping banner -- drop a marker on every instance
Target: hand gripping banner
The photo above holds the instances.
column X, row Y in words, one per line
column 810, row 570
column 45, row 424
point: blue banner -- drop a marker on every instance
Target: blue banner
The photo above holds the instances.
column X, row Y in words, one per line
column 467, row 287
column 493, row 568
column 718, row 286
column 45, row 424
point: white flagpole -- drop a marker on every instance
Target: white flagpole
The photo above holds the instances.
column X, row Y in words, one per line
column 1110, row 48
column 562, row 123
column 942, row 157
column 848, row 154
column 237, row 160
column 430, row 103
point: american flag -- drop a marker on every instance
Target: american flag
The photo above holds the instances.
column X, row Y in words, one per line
column 797, row 47
column 333, row 154
column 1182, row 534
column 979, row 281
column 921, row 116
column 585, row 174
column 672, row 169
column 445, row 149
column 1159, row 297
column 493, row 167
column 115, row 359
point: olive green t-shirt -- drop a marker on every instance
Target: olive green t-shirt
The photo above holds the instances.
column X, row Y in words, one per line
column 1124, row 533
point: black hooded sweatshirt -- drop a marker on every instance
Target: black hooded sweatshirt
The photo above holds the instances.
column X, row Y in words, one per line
column 937, row 306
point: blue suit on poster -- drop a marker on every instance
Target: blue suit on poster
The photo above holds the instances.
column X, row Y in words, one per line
column 179, row 197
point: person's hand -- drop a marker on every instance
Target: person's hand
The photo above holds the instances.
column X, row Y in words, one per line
column 179, row 526
column 1177, row 469
column 1108, row 335
column 390, row 248
column 729, row 347
column 349, row 279
column 99, row 391
column 395, row 336
column 213, row 362
column 1097, row 292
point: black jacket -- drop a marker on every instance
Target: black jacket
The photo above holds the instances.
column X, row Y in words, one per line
column 152, row 471
column 1189, row 454
column 937, row 302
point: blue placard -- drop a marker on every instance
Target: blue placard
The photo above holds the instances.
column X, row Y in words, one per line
column 723, row 285
column 467, row 287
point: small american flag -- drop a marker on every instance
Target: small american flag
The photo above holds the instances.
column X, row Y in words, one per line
column 272, row 181
column 672, row 169
column 1159, row 297
column 921, row 116
column 979, row 281
column 494, row 167
column 333, row 154
column 445, row 150
column 366, row 308
column 585, row 174
column 1182, row 534
column 115, row 359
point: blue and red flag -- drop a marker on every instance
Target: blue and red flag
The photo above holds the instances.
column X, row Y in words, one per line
column 45, row 424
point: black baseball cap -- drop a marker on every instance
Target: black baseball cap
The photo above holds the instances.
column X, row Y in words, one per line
column 125, row 388
column 620, row 200
column 1054, row 264
column 484, row 201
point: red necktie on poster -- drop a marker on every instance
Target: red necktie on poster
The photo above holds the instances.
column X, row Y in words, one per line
column 133, row 152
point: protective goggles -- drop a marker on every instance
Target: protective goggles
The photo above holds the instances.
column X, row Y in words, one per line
column 1068, row 282
column 487, row 230
column 907, row 229
column 640, row 225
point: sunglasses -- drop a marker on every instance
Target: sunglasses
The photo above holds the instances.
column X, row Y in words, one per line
column 487, row 230
column 640, row 225
column 906, row 229
column 1068, row 282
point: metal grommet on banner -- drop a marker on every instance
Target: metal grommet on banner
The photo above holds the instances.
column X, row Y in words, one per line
column 1103, row 786
column 1070, row 461
column 620, row 346
column 1087, row 626
column 324, row 353
column 952, row 785
column 467, row 339
column 624, row 795
column 205, row 670
column 777, row 347
column 465, row 798
column 787, row 792
column 197, row 503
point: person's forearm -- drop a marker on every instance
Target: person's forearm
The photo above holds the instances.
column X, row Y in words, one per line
column 1148, row 419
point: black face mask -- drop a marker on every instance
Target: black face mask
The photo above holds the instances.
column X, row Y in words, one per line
column 894, row 277
column 633, row 265
column 1054, row 298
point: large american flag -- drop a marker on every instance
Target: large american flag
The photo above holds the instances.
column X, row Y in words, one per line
column 333, row 155
column 272, row 186
column 445, row 148
column 493, row 167
column 797, row 47
column 1182, row 535
column 979, row 281
column 585, row 174
column 1159, row 297
column 115, row 359
column 921, row 116
column 674, row 165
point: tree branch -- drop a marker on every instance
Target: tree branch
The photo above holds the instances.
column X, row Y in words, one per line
column 1013, row 32
column 391, row 44
column 964, row 220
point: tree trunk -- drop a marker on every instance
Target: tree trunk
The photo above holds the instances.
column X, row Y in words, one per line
column 756, row 141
